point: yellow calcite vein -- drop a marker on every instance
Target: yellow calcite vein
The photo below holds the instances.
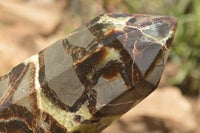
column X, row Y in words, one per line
column 61, row 116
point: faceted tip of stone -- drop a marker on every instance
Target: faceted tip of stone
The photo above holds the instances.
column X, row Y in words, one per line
column 162, row 28
column 145, row 37
column 173, row 21
column 167, row 29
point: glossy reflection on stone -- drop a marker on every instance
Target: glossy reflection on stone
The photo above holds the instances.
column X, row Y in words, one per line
column 84, row 81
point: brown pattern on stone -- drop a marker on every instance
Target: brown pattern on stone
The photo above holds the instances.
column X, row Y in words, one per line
column 77, row 53
column 45, row 88
column 14, row 127
column 55, row 127
column 51, row 95
column 15, row 76
column 42, row 68
column 96, row 30
column 15, row 114
column 77, row 118
column 39, row 130
column 88, row 65
column 15, row 73
column 118, row 65
column 127, row 100
column 85, row 67
column 109, row 71
column 33, row 97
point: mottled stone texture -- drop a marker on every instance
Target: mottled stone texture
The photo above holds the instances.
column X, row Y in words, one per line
column 87, row 79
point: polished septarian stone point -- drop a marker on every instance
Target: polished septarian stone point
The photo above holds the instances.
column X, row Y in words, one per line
column 84, row 81
column 147, row 40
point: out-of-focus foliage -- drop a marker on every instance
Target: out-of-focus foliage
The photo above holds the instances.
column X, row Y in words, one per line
column 186, row 52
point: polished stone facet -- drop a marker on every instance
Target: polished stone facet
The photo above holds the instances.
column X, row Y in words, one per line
column 84, row 81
